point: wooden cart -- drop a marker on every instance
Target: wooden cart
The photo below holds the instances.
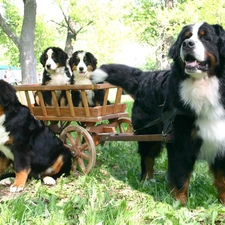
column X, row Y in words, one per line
column 82, row 128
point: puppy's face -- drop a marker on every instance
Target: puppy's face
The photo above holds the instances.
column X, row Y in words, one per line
column 82, row 63
column 53, row 58
column 199, row 47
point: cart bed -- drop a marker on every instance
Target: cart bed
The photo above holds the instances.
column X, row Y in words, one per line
column 71, row 113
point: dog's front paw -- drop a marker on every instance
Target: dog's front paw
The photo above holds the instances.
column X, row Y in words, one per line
column 14, row 189
column 49, row 181
column 98, row 76
column 6, row 182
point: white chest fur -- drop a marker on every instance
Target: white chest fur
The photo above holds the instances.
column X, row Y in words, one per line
column 4, row 137
column 203, row 97
column 89, row 93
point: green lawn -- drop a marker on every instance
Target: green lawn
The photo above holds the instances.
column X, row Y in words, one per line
column 111, row 194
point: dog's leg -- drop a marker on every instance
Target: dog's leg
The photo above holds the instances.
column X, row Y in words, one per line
column 4, row 163
column 148, row 151
column 180, row 168
column 180, row 194
column 219, row 179
column 20, row 181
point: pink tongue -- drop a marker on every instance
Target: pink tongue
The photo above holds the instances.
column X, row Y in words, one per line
column 194, row 63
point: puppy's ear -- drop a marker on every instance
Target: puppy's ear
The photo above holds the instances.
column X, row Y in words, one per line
column 92, row 59
column 43, row 58
column 62, row 57
column 220, row 32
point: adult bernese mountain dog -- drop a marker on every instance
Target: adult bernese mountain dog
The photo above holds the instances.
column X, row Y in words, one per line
column 32, row 147
column 196, row 94
column 148, row 90
column 194, row 102
column 56, row 72
column 82, row 64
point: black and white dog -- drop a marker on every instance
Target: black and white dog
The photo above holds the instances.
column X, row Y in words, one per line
column 56, row 72
column 82, row 65
column 196, row 91
column 26, row 142
column 148, row 90
column 195, row 101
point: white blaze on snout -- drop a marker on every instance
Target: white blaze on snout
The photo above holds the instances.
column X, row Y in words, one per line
column 50, row 61
column 198, row 49
column 82, row 64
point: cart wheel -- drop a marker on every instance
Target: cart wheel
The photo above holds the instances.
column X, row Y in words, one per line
column 82, row 147
column 125, row 125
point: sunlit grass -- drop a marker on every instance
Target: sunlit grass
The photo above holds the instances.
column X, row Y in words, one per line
column 111, row 194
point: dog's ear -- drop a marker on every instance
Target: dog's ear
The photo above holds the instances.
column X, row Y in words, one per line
column 43, row 58
column 7, row 94
column 174, row 51
column 92, row 59
column 220, row 32
column 71, row 60
column 62, row 57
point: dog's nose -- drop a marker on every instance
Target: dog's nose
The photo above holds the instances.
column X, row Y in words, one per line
column 188, row 44
column 48, row 66
column 81, row 68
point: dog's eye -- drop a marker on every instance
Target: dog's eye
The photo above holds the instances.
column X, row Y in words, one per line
column 205, row 38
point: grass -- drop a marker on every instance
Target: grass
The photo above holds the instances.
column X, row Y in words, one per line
column 111, row 194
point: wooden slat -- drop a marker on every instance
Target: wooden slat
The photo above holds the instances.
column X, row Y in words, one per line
column 55, row 103
column 37, row 87
column 81, row 119
column 132, row 137
column 29, row 101
column 118, row 99
column 85, row 103
column 105, row 101
column 70, row 103
column 22, row 97
column 41, row 101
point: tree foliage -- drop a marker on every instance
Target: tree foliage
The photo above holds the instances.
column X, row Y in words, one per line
column 158, row 25
column 110, row 28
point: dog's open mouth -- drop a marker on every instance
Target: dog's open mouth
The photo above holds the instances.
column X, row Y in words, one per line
column 82, row 74
column 192, row 64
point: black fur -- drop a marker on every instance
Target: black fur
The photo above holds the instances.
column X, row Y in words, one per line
column 179, row 88
column 188, row 139
column 148, row 91
column 84, row 63
column 60, row 75
column 35, row 148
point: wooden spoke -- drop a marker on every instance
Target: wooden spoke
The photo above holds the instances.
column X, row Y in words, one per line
column 82, row 147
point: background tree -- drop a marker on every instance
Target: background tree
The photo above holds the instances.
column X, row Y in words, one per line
column 159, row 22
column 24, row 42
column 114, row 31
column 73, row 22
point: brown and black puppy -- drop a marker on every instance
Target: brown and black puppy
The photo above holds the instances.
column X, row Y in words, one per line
column 82, row 65
column 32, row 147
column 56, row 72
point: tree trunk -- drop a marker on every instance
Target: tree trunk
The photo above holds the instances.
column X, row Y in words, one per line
column 169, row 4
column 26, row 44
column 71, row 36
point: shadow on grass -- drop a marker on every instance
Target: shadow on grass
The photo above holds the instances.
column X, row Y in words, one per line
column 123, row 163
